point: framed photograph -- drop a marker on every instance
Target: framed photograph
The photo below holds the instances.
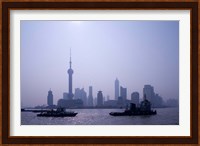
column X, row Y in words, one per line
column 100, row 72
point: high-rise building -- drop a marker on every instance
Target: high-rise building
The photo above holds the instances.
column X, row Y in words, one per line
column 81, row 94
column 116, row 89
column 95, row 101
column 148, row 92
column 157, row 101
column 123, row 93
column 120, row 101
column 77, row 93
column 84, row 97
column 90, row 97
column 70, row 72
column 65, row 95
column 135, row 98
column 50, row 98
column 99, row 98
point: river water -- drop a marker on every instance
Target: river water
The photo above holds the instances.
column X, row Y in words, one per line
column 165, row 116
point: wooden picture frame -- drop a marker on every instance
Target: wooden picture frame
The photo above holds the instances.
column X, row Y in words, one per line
column 7, row 139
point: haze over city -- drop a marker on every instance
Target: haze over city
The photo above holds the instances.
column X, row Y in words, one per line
column 135, row 52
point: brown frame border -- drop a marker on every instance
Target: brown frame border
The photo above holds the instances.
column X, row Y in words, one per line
column 7, row 6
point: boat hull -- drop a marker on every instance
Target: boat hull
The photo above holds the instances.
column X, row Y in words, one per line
column 57, row 115
column 133, row 113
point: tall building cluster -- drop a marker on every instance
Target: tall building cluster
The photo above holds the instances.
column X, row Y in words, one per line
column 68, row 100
column 155, row 99
column 135, row 98
column 80, row 99
column 81, row 94
column 122, row 100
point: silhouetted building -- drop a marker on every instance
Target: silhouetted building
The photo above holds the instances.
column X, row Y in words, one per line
column 90, row 97
column 127, row 103
column 157, row 101
column 77, row 93
column 116, row 89
column 123, row 93
column 135, row 98
column 120, row 101
column 65, row 95
column 84, row 97
column 108, row 97
column 95, row 101
column 172, row 103
column 148, row 90
column 70, row 72
column 50, row 98
column 74, row 103
column 145, row 104
column 81, row 94
column 110, row 103
column 99, row 98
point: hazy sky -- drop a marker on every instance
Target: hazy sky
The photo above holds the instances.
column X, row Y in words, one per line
column 135, row 52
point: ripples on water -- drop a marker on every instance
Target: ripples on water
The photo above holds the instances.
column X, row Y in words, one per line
column 165, row 116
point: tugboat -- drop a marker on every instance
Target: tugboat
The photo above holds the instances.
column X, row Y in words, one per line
column 144, row 109
column 60, row 112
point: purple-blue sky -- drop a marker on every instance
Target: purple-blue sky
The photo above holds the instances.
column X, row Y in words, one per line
column 135, row 52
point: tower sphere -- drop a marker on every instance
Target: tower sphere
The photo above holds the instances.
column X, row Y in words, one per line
column 70, row 71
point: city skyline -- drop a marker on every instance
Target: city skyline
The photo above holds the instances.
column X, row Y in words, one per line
column 44, row 63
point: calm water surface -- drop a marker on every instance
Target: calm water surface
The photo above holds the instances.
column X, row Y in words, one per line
column 165, row 116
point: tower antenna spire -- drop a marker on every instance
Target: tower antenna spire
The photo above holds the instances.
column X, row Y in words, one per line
column 70, row 62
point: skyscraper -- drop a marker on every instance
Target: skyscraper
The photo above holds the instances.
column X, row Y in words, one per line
column 148, row 91
column 157, row 101
column 65, row 95
column 116, row 89
column 84, row 97
column 99, row 98
column 135, row 98
column 50, row 98
column 90, row 97
column 123, row 93
column 81, row 94
column 70, row 72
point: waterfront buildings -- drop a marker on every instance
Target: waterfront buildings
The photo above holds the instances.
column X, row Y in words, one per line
column 157, row 101
column 50, row 98
column 148, row 91
column 65, row 95
column 120, row 101
column 74, row 103
column 123, row 93
column 90, row 97
column 135, row 98
column 145, row 104
column 99, row 99
column 80, row 99
column 116, row 89
column 81, row 94
column 110, row 103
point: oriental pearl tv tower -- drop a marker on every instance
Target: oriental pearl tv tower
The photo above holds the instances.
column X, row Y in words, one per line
column 70, row 72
